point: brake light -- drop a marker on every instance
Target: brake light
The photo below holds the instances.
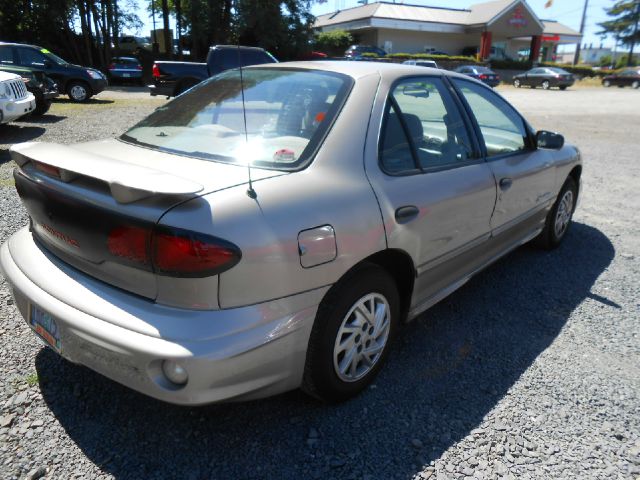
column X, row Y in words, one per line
column 112, row 66
column 48, row 169
column 483, row 76
column 173, row 252
column 155, row 71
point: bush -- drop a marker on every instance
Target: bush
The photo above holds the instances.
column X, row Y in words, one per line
column 427, row 56
column 508, row 64
column 579, row 70
column 369, row 55
column 334, row 42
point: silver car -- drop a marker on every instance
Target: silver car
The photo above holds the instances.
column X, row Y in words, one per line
column 273, row 227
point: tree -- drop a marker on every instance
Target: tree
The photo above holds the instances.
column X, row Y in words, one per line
column 335, row 42
column 624, row 24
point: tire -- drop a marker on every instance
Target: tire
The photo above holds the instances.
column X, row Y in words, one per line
column 78, row 92
column 562, row 87
column 546, row 85
column 42, row 107
column 606, row 83
column 635, row 84
column 559, row 217
column 516, row 83
column 328, row 374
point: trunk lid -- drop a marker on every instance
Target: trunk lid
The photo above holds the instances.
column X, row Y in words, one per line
column 79, row 197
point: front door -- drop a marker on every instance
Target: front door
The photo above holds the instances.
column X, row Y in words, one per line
column 435, row 192
column 524, row 174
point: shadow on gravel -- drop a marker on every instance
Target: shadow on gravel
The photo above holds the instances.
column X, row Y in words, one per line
column 91, row 101
column 46, row 119
column 13, row 133
column 447, row 371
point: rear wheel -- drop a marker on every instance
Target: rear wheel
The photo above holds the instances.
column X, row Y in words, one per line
column 546, row 85
column 635, row 84
column 42, row 107
column 563, row 87
column 354, row 327
column 516, row 83
column 606, row 83
column 559, row 217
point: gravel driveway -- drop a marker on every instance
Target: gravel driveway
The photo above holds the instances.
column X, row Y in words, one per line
column 531, row 370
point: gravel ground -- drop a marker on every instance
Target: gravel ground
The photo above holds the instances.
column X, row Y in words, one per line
column 531, row 370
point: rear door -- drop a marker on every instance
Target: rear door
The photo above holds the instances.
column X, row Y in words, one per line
column 436, row 194
column 524, row 174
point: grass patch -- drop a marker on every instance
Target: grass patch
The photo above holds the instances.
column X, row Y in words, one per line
column 32, row 379
column 7, row 182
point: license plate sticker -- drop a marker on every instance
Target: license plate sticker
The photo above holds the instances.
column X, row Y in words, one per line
column 46, row 327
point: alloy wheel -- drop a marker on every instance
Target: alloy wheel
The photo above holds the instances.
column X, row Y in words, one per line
column 546, row 85
column 563, row 215
column 516, row 83
column 78, row 93
column 362, row 337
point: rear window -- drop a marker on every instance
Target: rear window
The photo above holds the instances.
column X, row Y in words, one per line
column 285, row 117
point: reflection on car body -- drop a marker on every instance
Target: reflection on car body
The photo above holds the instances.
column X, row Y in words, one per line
column 376, row 190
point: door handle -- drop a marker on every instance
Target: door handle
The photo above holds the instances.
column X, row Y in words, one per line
column 406, row 214
column 505, row 183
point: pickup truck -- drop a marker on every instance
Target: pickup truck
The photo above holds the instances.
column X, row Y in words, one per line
column 173, row 78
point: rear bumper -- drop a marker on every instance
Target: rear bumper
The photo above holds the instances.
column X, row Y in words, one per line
column 126, row 74
column 12, row 110
column 235, row 354
column 161, row 90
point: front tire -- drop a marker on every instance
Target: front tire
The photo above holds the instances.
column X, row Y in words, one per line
column 546, row 85
column 516, row 83
column 559, row 217
column 635, row 84
column 78, row 92
column 349, row 343
column 562, row 87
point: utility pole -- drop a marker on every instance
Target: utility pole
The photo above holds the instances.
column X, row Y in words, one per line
column 576, row 57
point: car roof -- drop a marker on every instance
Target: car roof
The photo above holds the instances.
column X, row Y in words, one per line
column 126, row 58
column 20, row 45
column 361, row 69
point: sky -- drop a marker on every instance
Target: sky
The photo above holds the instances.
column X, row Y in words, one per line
column 568, row 12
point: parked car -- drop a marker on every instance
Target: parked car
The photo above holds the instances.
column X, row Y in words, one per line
column 173, row 78
column 198, row 261
column 545, row 77
column 15, row 100
column 434, row 51
column 131, row 43
column 421, row 63
column 79, row 83
column 42, row 87
column 626, row 78
column 125, row 69
column 484, row 74
column 356, row 51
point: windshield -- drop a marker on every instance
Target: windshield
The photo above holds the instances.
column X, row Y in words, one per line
column 286, row 114
column 55, row 59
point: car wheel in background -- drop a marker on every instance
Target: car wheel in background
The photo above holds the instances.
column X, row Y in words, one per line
column 635, row 84
column 562, row 87
column 606, row 83
column 559, row 217
column 546, row 85
column 78, row 91
column 516, row 83
column 354, row 326
column 42, row 107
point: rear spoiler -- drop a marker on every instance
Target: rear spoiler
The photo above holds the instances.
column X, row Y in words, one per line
column 127, row 182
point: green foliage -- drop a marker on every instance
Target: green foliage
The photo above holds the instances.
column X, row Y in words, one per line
column 32, row 379
column 369, row 55
column 605, row 61
column 334, row 42
column 623, row 26
column 624, row 61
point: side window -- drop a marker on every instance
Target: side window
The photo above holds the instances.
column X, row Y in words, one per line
column 502, row 128
column 254, row 57
column 30, row 57
column 423, row 128
column 6, row 55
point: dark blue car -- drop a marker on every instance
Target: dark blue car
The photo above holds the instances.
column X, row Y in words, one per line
column 125, row 69
column 481, row 73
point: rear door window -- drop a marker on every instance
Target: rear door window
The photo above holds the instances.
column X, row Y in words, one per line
column 31, row 58
column 6, row 55
column 423, row 129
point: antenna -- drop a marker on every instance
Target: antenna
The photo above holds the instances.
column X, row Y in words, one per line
column 250, row 191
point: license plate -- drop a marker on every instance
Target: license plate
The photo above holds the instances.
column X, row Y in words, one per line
column 46, row 327
column 126, row 74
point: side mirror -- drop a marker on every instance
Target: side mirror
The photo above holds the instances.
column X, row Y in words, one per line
column 551, row 140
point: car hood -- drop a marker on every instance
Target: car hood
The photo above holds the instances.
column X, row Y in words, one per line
column 8, row 76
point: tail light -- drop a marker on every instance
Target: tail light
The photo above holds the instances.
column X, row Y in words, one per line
column 112, row 66
column 483, row 76
column 172, row 251
column 48, row 169
column 155, row 71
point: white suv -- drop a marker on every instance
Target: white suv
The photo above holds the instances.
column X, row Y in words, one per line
column 15, row 99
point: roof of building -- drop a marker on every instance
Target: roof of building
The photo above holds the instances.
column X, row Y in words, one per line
column 477, row 14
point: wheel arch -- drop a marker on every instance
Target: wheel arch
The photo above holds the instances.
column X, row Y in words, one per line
column 575, row 174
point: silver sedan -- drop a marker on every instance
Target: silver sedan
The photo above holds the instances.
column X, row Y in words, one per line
column 272, row 227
